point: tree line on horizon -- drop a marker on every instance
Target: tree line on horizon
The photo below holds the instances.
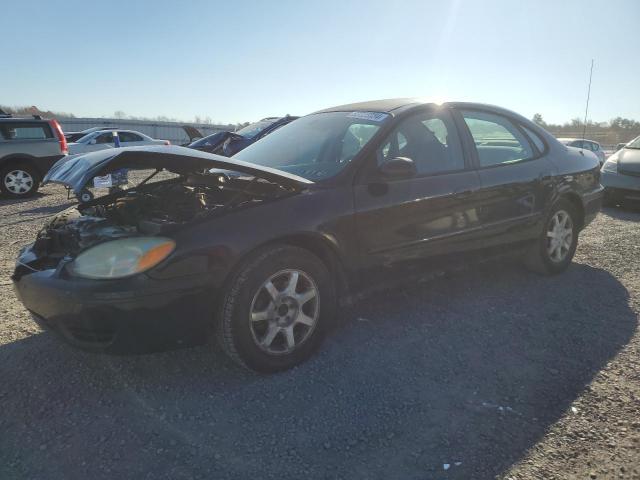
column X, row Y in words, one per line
column 617, row 130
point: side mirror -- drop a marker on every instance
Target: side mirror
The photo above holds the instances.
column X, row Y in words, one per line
column 398, row 167
column 93, row 142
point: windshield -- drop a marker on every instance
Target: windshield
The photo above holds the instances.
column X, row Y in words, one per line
column 254, row 129
column 317, row 146
column 635, row 143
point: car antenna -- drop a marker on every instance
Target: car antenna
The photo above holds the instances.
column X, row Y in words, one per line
column 586, row 110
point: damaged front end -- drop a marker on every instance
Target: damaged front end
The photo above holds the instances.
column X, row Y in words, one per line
column 146, row 211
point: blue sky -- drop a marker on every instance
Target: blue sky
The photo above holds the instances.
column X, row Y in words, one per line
column 239, row 61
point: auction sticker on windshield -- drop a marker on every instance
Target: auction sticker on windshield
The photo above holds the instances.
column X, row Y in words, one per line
column 372, row 116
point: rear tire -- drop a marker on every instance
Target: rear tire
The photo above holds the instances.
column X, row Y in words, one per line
column 276, row 309
column 19, row 181
column 555, row 247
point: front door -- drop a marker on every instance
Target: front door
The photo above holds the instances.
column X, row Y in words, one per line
column 430, row 213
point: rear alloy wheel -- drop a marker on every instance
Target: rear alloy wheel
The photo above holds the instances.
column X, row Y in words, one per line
column 276, row 308
column 19, row 181
column 554, row 250
column 559, row 236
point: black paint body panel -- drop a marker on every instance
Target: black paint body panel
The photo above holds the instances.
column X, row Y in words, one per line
column 357, row 223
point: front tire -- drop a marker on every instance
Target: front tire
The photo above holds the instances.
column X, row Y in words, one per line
column 555, row 247
column 19, row 181
column 276, row 309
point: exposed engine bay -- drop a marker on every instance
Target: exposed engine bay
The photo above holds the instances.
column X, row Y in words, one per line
column 151, row 209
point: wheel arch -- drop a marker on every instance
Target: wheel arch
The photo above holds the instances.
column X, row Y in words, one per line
column 323, row 247
column 575, row 200
column 21, row 158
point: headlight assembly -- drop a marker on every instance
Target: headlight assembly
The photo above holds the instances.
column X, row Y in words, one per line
column 121, row 258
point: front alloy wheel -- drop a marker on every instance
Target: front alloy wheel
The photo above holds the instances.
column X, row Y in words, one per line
column 284, row 311
column 276, row 308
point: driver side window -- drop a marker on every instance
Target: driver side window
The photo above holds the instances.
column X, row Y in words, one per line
column 429, row 139
column 356, row 136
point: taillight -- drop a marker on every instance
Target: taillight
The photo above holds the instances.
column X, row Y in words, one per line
column 167, row 142
column 64, row 148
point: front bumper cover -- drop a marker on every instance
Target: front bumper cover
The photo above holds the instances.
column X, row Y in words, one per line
column 133, row 315
column 620, row 186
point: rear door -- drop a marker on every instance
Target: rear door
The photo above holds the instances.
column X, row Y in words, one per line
column 431, row 213
column 516, row 177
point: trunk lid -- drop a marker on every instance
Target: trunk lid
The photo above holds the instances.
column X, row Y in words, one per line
column 75, row 172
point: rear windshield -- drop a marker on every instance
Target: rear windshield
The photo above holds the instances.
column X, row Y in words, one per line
column 253, row 130
column 25, row 131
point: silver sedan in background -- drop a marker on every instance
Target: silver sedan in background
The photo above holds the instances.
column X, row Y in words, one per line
column 620, row 174
column 590, row 145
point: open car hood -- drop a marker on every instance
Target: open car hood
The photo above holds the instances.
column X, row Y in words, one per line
column 77, row 171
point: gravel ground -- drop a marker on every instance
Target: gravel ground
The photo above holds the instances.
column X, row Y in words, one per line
column 489, row 373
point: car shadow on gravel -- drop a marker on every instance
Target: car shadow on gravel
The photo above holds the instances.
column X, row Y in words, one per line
column 50, row 209
column 6, row 200
column 468, row 370
column 624, row 212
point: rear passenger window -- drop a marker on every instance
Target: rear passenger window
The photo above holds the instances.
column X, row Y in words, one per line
column 497, row 140
column 25, row 131
column 129, row 137
column 535, row 138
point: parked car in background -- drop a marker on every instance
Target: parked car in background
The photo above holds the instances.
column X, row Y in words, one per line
column 75, row 136
column 101, row 140
column 193, row 133
column 590, row 145
column 28, row 148
column 320, row 209
column 230, row 143
column 620, row 174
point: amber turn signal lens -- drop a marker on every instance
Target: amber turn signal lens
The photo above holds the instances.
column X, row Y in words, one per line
column 155, row 256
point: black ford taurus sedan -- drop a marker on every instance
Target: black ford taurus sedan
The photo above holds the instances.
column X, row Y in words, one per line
column 260, row 248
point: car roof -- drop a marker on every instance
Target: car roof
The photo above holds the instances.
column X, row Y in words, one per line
column 387, row 106
column 397, row 105
column 570, row 139
column 118, row 130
